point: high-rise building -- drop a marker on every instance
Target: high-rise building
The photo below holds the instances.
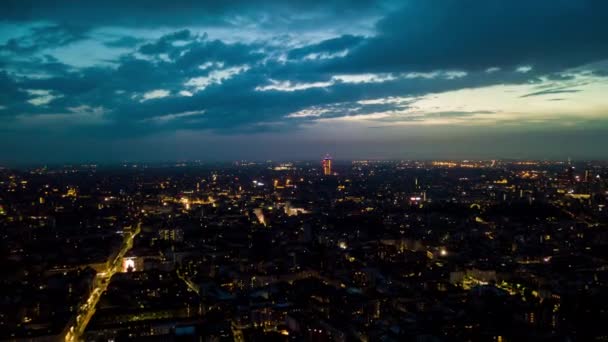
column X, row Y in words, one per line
column 326, row 163
column 171, row 234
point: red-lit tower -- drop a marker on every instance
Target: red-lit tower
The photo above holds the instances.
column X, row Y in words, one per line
column 326, row 164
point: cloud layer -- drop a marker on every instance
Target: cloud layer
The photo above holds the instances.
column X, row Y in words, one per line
column 114, row 70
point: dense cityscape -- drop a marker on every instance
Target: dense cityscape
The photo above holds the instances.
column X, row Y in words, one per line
column 450, row 250
column 304, row 170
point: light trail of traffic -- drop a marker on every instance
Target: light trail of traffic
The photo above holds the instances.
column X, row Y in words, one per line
column 101, row 284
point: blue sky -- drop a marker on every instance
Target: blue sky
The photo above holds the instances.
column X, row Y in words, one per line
column 153, row 80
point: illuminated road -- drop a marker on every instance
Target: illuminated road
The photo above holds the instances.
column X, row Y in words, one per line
column 580, row 218
column 237, row 334
column 189, row 283
column 512, row 289
column 101, row 284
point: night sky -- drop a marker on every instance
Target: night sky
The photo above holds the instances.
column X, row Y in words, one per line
column 114, row 80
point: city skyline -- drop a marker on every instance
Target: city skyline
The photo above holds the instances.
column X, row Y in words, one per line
column 304, row 170
column 102, row 81
column 305, row 251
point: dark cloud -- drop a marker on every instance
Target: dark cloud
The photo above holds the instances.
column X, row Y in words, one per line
column 35, row 65
column 475, row 35
column 453, row 114
column 198, row 53
column 560, row 77
column 234, row 104
column 165, row 43
column 178, row 13
column 420, row 117
column 328, row 46
column 551, row 91
column 601, row 73
column 9, row 90
column 124, row 42
column 41, row 38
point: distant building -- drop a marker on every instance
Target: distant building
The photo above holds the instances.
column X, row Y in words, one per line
column 171, row 235
column 326, row 164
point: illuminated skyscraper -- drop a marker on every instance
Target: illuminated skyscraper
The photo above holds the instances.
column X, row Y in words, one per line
column 326, row 163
